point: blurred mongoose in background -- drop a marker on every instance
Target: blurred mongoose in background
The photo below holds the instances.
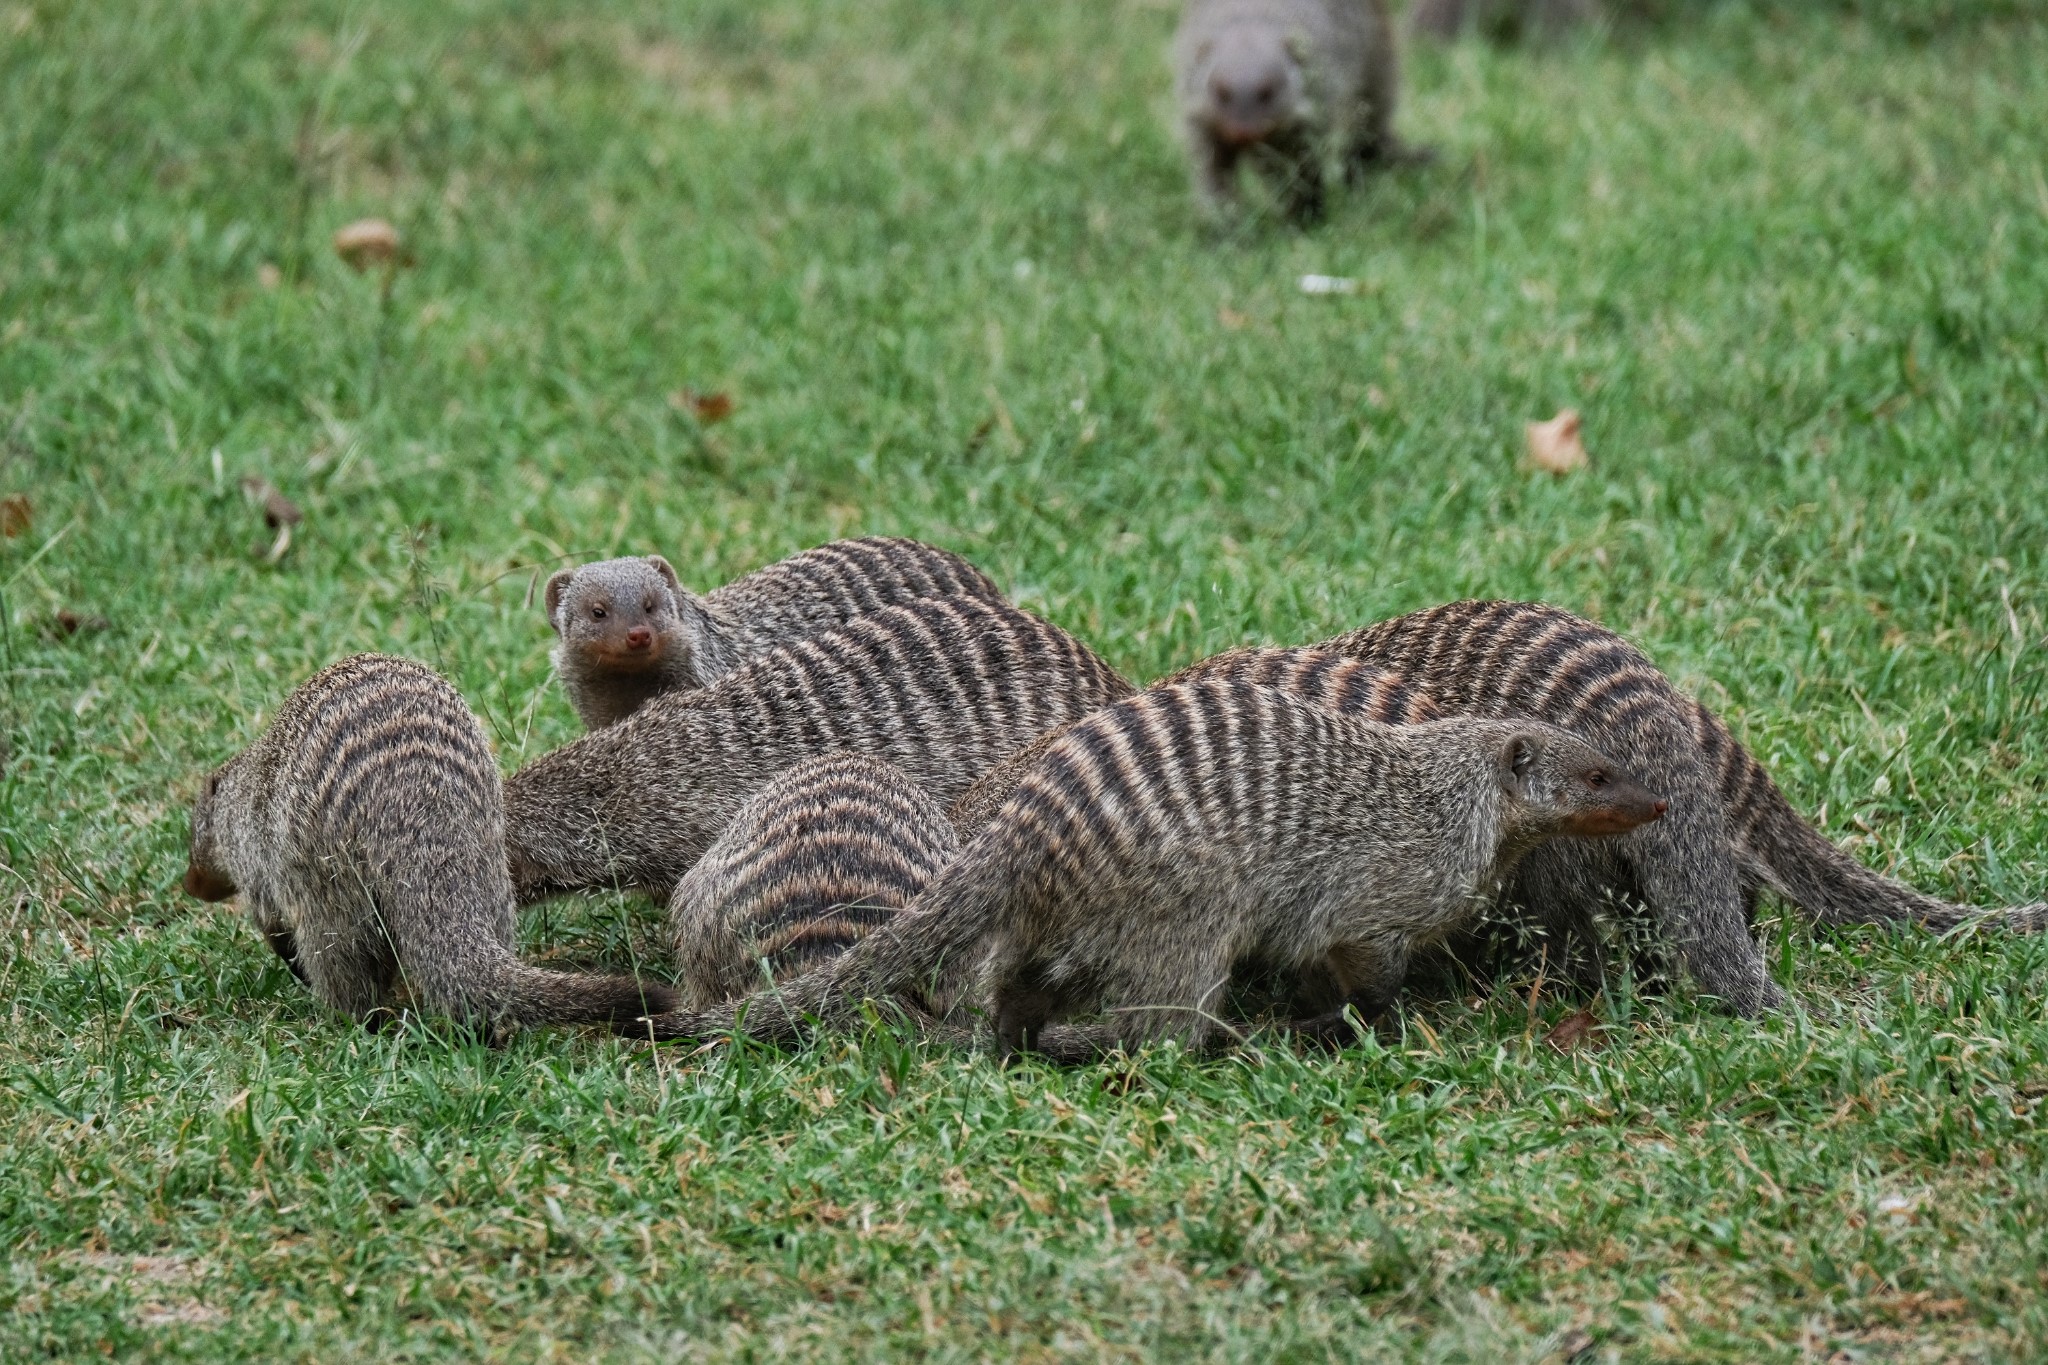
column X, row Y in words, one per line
column 627, row 629
column 807, row 868
column 1172, row 836
column 1323, row 677
column 944, row 688
column 1731, row 833
column 1285, row 83
column 365, row 832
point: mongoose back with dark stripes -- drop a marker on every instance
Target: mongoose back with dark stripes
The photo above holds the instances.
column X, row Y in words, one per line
column 1283, row 83
column 810, row 865
column 365, row 833
column 1169, row 838
column 627, row 629
column 1730, row 834
column 943, row 688
column 1323, row 677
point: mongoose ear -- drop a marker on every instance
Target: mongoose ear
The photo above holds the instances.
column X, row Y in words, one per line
column 668, row 573
column 557, row 585
column 1518, row 758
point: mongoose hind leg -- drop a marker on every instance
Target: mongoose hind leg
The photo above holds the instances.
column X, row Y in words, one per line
column 351, row 974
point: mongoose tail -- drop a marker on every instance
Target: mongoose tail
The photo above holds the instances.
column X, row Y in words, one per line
column 1808, row 869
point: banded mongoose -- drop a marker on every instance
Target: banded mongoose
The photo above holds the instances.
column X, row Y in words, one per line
column 807, row 868
column 365, row 832
column 1167, row 840
column 1285, row 83
column 628, row 630
column 944, row 688
column 1320, row 676
column 1731, row 833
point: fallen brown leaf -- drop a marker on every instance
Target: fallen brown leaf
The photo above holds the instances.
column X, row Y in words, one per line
column 278, row 510
column 367, row 242
column 1577, row 1030
column 705, row 407
column 17, row 513
column 1555, row 446
column 1232, row 319
column 70, row 622
column 269, row 276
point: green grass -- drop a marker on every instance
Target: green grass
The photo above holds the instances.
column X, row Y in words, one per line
column 1792, row 264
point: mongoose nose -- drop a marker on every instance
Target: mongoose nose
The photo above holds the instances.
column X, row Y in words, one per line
column 639, row 637
column 1658, row 807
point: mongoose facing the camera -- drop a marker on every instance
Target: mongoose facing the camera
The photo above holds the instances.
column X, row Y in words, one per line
column 628, row 630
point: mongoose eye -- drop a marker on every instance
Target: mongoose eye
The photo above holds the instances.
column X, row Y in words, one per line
column 648, row 606
column 1267, row 91
column 597, row 613
column 1596, row 778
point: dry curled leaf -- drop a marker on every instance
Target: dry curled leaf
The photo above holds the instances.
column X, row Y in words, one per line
column 17, row 513
column 367, row 242
column 1576, row 1030
column 279, row 511
column 1555, row 446
column 705, row 407
column 71, row 623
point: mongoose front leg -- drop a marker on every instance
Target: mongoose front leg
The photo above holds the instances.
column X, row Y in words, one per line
column 1216, row 170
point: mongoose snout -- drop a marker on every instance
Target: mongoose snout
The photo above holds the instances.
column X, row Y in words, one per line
column 1254, row 91
column 207, row 884
column 1591, row 795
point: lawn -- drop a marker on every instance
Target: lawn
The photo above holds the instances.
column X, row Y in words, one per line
column 1790, row 260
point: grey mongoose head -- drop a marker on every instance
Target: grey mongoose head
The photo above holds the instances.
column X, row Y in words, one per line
column 619, row 614
column 1557, row 784
column 1250, row 82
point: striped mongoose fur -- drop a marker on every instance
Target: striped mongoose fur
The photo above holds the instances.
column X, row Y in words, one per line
column 943, row 688
column 1328, row 679
column 1168, row 840
column 810, row 865
column 1284, row 83
column 1731, row 833
column 365, row 832
column 627, row 629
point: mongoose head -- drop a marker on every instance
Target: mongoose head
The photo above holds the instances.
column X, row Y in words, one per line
column 1560, row 785
column 1251, row 84
column 204, row 876
column 618, row 615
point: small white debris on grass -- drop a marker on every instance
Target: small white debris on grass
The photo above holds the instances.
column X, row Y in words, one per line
column 1328, row 284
